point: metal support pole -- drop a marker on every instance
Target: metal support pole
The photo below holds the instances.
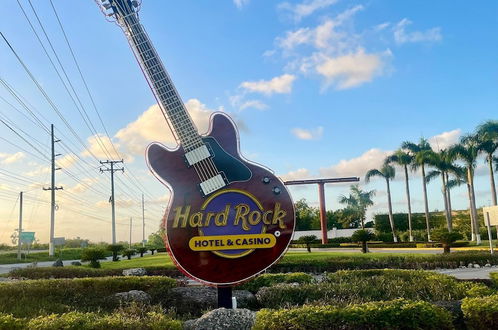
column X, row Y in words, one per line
column 113, row 205
column 488, row 224
column 20, row 228
column 131, row 225
column 323, row 212
column 143, row 221
column 225, row 297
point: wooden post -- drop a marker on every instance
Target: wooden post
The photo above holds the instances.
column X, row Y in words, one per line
column 323, row 212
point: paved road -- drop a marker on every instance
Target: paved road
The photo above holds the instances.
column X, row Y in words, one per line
column 469, row 273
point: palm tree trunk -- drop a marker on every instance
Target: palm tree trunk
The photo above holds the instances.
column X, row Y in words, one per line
column 445, row 197
column 426, row 204
column 470, row 176
column 407, row 184
column 492, row 178
column 472, row 230
column 389, row 204
column 448, row 192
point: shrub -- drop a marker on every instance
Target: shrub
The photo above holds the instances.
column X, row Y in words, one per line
column 362, row 236
column 266, row 280
column 141, row 250
column 34, row 297
column 115, row 249
column 86, row 321
column 93, row 255
column 445, row 237
column 398, row 314
column 307, row 240
column 128, row 253
column 481, row 313
column 494, row 279
column 81, row 272
column 374, row 261
column 345, row 287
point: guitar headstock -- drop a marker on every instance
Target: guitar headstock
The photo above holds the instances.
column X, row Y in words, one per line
column 119, row 11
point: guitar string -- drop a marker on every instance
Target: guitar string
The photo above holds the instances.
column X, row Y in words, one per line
column 206, row 168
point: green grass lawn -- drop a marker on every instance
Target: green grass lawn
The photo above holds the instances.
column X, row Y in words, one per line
column 157, row 260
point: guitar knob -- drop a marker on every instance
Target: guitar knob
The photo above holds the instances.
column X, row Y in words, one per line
column 266, row 180
column 276, row 190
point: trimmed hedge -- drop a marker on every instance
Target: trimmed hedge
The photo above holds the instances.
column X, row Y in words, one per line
column 335, row 263
column 266, row 280
column 397, row 314
column 80, row 272
column 481, row 313
column 494, row 279
column 93, row 321
column 360, row 286
column 35, row 297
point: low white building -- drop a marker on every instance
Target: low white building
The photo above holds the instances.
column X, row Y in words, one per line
column 333, row 233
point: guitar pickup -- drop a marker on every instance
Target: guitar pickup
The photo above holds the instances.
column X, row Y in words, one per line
column 212, row 184
column 196, row 155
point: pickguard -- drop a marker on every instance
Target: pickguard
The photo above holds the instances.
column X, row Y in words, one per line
column 233, row 168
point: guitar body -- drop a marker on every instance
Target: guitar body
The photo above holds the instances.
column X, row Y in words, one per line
column 187, row 214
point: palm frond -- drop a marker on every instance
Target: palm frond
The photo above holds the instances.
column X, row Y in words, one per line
column 373, row 173
column 432, row 175
column 454, row 183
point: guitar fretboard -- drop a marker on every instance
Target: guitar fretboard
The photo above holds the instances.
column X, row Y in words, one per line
column 157, row 76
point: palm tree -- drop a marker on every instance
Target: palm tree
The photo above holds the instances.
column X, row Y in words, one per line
column 468, row 151
column 387, row 172
column 487, row 134
column 460, row 177
column 404, row 159
column 443, row 162
column 421, row 153
column 358, row 201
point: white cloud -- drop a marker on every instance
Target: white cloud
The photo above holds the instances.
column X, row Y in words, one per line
column 279, row 85
column 358, row 166
column 308, row 134
column 83, row 186
column 39, row 170
column 241, row 3
column 401, row 36
column 12, row 158
column 101, row 147
column 66, row 161
column 151, row 126
column 299, row 174
column 256, row 104
column 306, row 8
column 445, row 139
column 351, row 70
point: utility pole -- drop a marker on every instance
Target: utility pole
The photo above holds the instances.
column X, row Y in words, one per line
column 112, row 170
column 143, row 222
column 52, row 189
column 20, row 228
column 131, row 224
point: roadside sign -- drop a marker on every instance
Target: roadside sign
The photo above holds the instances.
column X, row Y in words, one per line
column 27, row 237
column 58, row 241
column 493, row 215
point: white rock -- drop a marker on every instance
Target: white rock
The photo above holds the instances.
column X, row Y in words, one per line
column 477, row 266
column 135, row 272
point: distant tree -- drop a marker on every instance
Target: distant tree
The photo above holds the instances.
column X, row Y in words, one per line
column 307, row 240
column 142, row 250
column 421, row 152
column 387, row 172
column 155, row 240
column 115, row 249
column 487, row 134
column 93, row 255
column 357, row 202
column 307, row 217
column 446, row 237
column 128, row 253
column 362, row 236
column 404, row 159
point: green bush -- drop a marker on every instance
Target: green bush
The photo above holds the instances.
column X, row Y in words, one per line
column 266, row 280
column 82, row 272
column 481, row 313
column 128, row 253
column 115, row 249
column 382, row 224
column 359, row 286
column 35, row 297
column 93, row 255
column 374, row 261
column 398, row 314
column 86, row 321
column 494, row 279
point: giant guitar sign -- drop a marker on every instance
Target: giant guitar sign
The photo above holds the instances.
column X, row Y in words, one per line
column 228, row 219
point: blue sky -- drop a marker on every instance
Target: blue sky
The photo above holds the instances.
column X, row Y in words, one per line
column 320, row 88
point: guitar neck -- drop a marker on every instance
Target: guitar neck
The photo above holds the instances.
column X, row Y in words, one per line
column 161, row 84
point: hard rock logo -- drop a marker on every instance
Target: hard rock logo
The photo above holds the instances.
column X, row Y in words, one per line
column 231, row 223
